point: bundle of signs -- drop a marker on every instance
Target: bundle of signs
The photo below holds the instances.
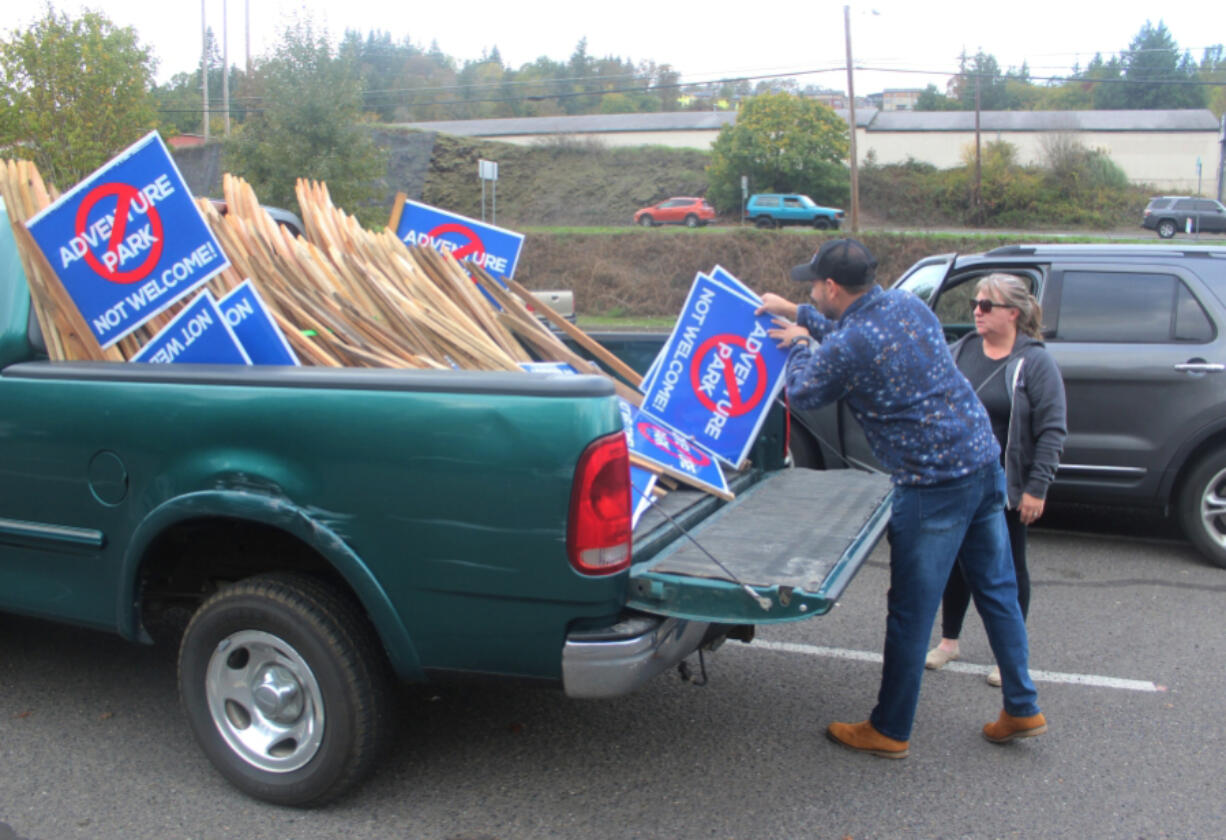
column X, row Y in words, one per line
column 342, row 295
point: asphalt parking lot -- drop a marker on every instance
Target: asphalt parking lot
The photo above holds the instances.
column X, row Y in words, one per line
column 1127, row 651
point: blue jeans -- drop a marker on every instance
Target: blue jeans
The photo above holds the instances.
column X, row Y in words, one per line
column 928, row 527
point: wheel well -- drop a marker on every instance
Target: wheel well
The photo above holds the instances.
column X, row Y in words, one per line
column 1209, row 444
column 191, row 560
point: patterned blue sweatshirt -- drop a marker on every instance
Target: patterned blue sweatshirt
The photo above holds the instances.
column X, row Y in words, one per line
column 888, row 359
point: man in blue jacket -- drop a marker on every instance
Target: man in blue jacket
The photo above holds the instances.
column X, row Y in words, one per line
column 884, row 353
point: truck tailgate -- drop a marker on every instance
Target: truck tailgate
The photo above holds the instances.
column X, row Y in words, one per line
column 796, row 539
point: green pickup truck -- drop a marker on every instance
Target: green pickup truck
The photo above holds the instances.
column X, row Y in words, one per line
column 309, row 536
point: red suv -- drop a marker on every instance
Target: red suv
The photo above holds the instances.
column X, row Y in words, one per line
column 691, row 212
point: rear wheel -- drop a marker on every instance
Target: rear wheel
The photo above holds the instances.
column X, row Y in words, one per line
column 1166, row 228
column 1202, row 507
column 764, row 222
column 646, row 221
column 691, row 221
column 285, row 688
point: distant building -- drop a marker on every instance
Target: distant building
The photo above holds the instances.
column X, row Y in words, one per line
column 835, row 99
column 898, row 99
column 1161, row 148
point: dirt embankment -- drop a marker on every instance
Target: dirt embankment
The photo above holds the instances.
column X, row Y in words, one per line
column 648, row 272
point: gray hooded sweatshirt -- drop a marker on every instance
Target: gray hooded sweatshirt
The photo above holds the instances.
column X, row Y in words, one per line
column 1037, row 417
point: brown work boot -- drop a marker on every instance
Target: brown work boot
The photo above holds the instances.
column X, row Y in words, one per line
column 862, row 737
column 1009, row 728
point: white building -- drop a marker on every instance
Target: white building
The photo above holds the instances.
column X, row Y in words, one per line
column 1161, row 148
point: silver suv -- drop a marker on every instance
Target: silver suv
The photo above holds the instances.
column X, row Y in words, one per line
column 1171, row 214
column 1139, row 334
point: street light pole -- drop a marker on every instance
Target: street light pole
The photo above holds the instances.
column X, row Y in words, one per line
column 851, row 119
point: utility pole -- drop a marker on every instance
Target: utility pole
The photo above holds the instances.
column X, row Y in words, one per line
column 204, row 69
column 247, row 33
column 225, row 66
column 978, row 197
column 851, row 119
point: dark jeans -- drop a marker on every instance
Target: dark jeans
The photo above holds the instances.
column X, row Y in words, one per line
column 958, row 594
column 929, row 526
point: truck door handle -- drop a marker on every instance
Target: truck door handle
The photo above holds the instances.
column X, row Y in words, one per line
column 1200, row 367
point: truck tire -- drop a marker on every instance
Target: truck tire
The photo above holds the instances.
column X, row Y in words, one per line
column 1202, row 507
column 821, row 223
column 764, row 222
column 1166, row 228
column 285, row 688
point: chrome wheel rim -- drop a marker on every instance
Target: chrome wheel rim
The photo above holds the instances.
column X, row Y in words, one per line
column 265, row 701
column 1213, row 509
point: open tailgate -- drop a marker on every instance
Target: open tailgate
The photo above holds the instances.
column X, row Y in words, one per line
column 796, row 538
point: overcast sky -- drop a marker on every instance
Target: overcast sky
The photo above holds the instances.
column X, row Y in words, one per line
column 704, row 41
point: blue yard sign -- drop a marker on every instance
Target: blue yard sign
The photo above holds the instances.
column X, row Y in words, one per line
column 245, row 312
column 642, row 482
column 719, row 373
column 199, row 334
column 128, row 241
column 493, row 248
column 671, row 452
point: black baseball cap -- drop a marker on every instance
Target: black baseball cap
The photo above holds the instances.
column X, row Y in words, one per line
column 845, row 261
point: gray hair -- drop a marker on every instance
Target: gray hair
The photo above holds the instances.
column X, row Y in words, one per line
column 1015, row 291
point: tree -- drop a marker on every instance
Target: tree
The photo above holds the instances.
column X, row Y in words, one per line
column 310, row 127
column 784, row 143
column 1153, row 69
column 932, row 99
column 76, row 91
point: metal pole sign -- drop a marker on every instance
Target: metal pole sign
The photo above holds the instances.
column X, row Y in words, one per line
column 487, row 170
column 128, row 241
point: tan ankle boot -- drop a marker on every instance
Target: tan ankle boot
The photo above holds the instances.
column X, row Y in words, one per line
column 862, row 737
column 1009, row 728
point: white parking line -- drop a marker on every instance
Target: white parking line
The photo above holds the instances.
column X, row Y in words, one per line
column 965, row 668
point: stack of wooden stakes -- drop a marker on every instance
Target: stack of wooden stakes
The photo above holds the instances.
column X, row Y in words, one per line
column 344, row 296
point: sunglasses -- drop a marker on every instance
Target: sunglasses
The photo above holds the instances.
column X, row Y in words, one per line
column 985, row 306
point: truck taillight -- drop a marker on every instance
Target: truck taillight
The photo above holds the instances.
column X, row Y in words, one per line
column 598, row 527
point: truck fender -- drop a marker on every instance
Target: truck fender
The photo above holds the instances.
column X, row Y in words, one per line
column 280, row 513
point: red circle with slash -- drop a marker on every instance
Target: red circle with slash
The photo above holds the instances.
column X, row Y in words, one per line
column 736, row 404
column 470, row 245
column 123, row 194
column 697, row 456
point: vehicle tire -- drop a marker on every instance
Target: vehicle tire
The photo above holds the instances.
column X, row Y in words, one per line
column 1202, row 506
column 646, row 221
column 286, row 688
column 691, row 221
column 1166, row 228
column 764, row 222
column 821, row 224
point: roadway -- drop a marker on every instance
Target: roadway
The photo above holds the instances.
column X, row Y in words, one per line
column 1127, row 650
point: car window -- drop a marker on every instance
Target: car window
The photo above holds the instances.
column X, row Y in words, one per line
column 1207, row 206
column 1191, row 321
column 924, row 280
column 1105, row 306
column 792, row 202
column 1159, row 203
column 769, row 201
column 807, row 202
column 1185, row 204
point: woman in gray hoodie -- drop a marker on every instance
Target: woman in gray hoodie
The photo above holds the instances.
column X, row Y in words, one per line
column 1020, row 385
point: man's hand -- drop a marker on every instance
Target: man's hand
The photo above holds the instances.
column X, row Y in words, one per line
column 774, row 305
column 1029, row 509
column 787, row 333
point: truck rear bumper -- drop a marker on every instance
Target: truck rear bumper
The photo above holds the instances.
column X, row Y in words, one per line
column 619, row 659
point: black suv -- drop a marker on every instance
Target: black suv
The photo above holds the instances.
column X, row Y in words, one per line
column 1139, row 334
column 1171, row 214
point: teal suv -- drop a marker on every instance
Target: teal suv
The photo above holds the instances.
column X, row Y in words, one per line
column 768, row 210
